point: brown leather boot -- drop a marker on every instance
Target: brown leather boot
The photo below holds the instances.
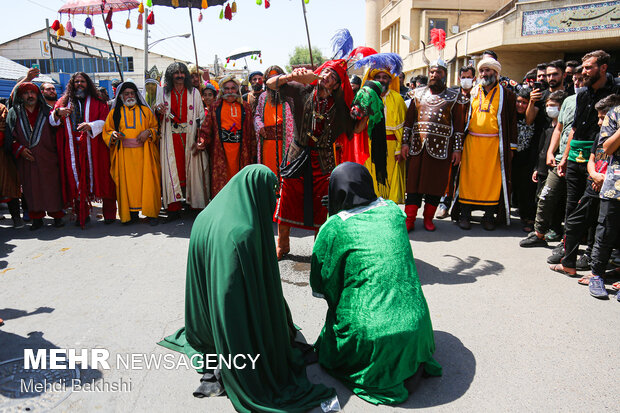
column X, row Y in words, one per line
column 412, row 212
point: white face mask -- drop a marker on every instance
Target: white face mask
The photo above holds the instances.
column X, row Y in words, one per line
column 580, row 89
column 467, row 83
column 553, row 111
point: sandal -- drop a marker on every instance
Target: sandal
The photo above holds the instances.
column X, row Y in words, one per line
column 282, row 249
column 585, row 280
column 616, row 286
column 560, row 269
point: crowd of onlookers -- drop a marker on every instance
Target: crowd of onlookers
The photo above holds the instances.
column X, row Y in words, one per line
column 565, row 175
column 566, row 171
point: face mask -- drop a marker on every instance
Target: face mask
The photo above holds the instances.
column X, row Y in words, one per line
column 580, row 89
column 553, row 111
column 467, row 83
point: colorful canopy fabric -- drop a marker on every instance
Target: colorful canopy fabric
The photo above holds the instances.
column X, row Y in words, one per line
column 94, row 6
column 196, row 4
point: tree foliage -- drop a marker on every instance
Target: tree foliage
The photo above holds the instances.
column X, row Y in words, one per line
column 301, row 56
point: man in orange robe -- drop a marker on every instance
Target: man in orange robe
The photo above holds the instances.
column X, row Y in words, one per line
column 228, row 135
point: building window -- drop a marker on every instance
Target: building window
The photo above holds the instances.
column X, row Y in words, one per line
column 394, row 33
column 437, row 24
column 87, row 65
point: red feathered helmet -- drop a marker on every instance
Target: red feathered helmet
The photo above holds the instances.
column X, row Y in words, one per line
column 340, row 67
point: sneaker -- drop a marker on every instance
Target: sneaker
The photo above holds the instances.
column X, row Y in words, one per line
column 552, row 236
column 597, row 288
column 465, row 223
column 442, row 212
column 555, row 257
column 488, row 225
column 583, row 263
column 36, row 224
column 18, row 223
column 532, row 240
column 172, row 216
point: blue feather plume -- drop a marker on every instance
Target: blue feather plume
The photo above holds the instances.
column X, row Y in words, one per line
column 391, row 61
column 342, row 44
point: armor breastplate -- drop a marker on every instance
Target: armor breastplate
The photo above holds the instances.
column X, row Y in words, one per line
column 433, row 127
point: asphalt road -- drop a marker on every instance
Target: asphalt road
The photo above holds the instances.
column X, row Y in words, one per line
column 511, row 335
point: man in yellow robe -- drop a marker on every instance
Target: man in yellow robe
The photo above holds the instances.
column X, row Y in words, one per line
column 131, row 133
column 395, row 111
column 491, row 136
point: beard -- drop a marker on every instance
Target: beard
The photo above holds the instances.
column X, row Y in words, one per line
column 80, row 93
column 384, row 87
column 257, row 87
column 179, row 79
column 590, row 80
column 436, row 85
column 488, row 80
column 131, row 102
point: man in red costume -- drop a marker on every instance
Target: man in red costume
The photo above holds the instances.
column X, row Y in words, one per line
column 322, row 101
column 184, row 164
column 33, row 144
column 84, row 157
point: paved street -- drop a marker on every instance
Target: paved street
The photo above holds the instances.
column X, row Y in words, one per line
column 511, row 335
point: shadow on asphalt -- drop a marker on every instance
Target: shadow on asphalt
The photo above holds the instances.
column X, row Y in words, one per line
column 459, row 369
column 12, row 347
column 180, row 228
column 464, row 271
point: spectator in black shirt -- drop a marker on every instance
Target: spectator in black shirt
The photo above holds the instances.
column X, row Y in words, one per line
column 585, row 126
column 555, row 75
column 571, row 68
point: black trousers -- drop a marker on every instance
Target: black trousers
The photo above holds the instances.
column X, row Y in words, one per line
column 576, row 174
column 607, row 235
column 416, row 199
column 524, row 189
column 578, row 224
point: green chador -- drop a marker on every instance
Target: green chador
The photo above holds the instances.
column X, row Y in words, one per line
column 377, row 331
column 234, row 303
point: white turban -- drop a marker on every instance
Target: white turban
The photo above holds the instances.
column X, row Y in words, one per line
column 490, row 63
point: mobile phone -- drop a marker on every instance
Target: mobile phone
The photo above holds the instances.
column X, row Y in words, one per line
column 35, row 66
column 540, row 85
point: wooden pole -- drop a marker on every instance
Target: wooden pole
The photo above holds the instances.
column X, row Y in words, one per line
column 120, row 71
column 303, row 5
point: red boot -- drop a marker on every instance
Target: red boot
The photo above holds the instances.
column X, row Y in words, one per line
column 429, row 213
column 412, row 212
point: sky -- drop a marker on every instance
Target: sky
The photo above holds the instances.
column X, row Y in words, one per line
column 275, row 31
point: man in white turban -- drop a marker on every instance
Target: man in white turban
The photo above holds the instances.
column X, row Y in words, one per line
column 487, row 151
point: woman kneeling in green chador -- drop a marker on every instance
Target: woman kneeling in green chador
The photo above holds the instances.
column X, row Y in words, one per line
column 377, row 331
column 234, row 303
